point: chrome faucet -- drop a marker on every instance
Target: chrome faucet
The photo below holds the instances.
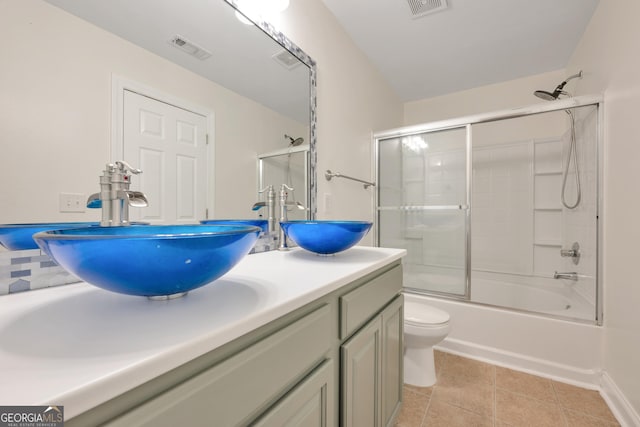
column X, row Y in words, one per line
column 115, row 197
column 270, row 204
column 284, row 188
column 571, row 276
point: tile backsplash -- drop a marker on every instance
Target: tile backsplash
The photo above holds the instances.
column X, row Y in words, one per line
column 32, row 269
column 28, row 270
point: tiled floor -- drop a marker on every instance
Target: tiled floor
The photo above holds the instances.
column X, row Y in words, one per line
column 471, row 393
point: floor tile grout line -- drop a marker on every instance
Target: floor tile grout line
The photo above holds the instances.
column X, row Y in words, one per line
column 426, row 411
column 562, row 408
column 495, row 397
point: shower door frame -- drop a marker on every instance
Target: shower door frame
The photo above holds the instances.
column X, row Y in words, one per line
column 467, row 122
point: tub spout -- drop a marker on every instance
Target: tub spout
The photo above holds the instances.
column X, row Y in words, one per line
column 571, row 276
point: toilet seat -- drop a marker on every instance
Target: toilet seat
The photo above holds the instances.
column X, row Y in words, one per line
column 420, row 315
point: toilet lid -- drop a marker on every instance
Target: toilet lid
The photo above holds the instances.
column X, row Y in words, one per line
column 421, row 314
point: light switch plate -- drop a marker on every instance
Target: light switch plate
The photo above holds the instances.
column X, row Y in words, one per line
column 72, row 202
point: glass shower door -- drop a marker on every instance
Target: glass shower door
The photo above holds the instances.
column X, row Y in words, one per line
column 423, row 207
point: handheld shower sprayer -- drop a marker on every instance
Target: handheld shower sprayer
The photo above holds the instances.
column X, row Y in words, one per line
column 559, row 90
column 572, row 155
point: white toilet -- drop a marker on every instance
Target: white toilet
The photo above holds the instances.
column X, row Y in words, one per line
column 424, row 327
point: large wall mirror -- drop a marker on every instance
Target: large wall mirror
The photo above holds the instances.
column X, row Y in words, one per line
column 70, row 61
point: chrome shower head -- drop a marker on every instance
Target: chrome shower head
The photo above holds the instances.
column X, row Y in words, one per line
column 294, row 142
column 547, row 96
column 552, row 96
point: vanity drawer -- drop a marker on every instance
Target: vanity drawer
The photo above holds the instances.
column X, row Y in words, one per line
column 238, row 389
column 361, row 304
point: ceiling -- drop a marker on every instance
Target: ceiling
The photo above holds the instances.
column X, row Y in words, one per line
column 471, row 43
column 242, row 56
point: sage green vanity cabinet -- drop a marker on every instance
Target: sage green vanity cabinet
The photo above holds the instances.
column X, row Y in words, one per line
column 310, row 404
column 335, row 361
column 372, row 370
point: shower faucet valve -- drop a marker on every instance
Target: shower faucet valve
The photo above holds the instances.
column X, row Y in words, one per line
column 574, row 253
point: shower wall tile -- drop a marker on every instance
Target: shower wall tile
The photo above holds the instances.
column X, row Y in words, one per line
column 548, row 156
column 548, row 227
column 547, row 260
column 502, row 218
column 547, row 191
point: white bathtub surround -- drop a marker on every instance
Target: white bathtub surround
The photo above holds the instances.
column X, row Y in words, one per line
column 508, row 170
column 79, row 345
column 552, row 297
column 563, row 350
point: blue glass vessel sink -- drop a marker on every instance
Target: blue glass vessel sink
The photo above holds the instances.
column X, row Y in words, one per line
column 152, row 260
column 262, row 223
column 326, row 237
column 17, row 237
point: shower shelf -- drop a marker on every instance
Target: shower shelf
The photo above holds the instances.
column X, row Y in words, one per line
column 543, row 242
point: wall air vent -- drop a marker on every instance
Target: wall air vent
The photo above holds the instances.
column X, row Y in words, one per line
column 420, row 8
column 286, row 59
column 189, row 47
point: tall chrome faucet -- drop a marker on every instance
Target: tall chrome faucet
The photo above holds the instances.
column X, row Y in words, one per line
column 270, row 204
column 115, row 197
column 284, row 193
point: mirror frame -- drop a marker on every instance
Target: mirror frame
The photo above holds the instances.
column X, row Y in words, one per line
column 302, row 56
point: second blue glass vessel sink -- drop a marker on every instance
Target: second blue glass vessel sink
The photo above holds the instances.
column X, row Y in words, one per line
column 151, row 260
column 18, row 237
column 262, row 223
column 326, row 237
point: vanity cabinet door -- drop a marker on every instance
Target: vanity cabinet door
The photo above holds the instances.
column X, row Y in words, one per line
column 310, row 404
column 392, row 360
column 372, row 370
column 361, row 375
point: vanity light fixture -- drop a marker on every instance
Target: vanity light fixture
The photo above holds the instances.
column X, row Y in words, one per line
column 415, row 143
column 260, row 8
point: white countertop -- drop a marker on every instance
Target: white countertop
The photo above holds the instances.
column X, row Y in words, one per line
column 79, row 346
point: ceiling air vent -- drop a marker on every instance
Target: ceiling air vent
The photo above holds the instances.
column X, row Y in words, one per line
column 420, row 8
column 189, row 47
column 286, row 59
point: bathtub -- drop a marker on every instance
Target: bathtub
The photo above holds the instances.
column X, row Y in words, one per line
column 539, row 295
column 524, row 326
column 523, row 293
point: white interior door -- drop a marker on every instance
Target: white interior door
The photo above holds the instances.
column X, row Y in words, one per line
column 169, row 145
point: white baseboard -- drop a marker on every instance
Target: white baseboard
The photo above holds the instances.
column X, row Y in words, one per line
column 544, row 368
column 617, row 402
